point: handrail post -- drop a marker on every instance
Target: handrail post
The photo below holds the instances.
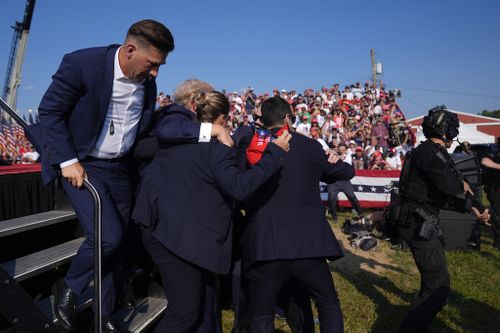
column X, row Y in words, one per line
column 97, row 256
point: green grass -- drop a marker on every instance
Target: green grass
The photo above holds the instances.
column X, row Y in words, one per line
column 376, row 288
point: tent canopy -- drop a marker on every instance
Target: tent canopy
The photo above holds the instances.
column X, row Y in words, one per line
column 466, row 133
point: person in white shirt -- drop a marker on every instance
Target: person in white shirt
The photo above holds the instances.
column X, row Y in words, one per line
column 236, row 100
column 304, row 127
column 357, row 90
column 315, row 136
column 393, row 159
column 351, row 150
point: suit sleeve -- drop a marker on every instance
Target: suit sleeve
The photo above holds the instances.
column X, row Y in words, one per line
column 176, row 126
column 60, row 97
column 337, row 171
column 146, row 149
column 241, row 184
column 241, row 150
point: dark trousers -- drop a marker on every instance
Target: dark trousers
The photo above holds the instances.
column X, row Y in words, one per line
column 112, row 181
column 265, row 280
column 185, row 287
column 293, row 302
column 238, row 297
column 347, row 188
column 434, row 281
column 494, row 198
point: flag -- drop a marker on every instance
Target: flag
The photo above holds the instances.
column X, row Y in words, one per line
column 3, row 141
column 10, row 140
column 369, row 187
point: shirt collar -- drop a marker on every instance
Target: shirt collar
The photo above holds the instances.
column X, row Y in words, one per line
column 118, row 71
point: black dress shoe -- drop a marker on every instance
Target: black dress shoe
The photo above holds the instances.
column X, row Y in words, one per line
column 128, row 297
column 64, row 305
column 108, row 326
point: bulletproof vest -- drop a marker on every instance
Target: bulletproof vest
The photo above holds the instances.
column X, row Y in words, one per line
column 414, row 185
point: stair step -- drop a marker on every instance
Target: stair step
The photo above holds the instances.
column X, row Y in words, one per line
column 33, row 264
column 20, row 224
column 145, row 313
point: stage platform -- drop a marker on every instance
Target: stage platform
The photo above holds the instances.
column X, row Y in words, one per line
column 19, row 168
column 22, row 191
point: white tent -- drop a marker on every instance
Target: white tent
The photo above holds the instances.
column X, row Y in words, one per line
column 467, row 132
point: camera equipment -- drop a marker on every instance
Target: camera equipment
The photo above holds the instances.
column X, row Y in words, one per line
column 395, row 93
column 363, row 240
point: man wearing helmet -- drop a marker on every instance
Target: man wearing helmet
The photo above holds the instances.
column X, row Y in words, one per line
column 428, row 180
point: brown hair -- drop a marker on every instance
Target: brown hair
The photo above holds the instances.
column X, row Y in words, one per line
column 210, row 105
column 150, row 32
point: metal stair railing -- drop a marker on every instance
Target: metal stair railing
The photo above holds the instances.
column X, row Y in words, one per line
column 97, row 218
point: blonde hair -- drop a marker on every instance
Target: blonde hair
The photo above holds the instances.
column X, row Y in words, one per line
column 186, row 91
column 210, row 105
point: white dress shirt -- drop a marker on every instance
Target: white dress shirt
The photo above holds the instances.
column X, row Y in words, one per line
column 122, row 119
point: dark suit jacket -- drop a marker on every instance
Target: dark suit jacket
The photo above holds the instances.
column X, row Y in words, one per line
column 172, row 123
column 74, row 107
column 187, row 194
column 286, row 217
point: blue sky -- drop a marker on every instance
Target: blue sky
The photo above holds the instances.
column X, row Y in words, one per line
column 436, row 52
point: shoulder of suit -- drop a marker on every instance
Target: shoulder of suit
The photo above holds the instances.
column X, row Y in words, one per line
column 179, row 109
column 218, row 146
column 244, row 131
column 304, row 140
column 94, row 51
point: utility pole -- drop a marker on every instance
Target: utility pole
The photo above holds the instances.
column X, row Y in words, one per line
column 374, row 67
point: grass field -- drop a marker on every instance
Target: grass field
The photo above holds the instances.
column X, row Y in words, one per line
column 376, row 288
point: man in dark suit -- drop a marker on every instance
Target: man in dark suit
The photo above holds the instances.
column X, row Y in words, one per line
column 186, row 203
column 287, row 235
column 100, row 101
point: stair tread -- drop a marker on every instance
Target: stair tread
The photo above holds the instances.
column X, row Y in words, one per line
column 32, row 264
column 146, row 311
column 29, row 222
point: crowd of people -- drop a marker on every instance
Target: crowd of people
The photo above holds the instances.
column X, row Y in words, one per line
column 363, row 122
column 14, row 146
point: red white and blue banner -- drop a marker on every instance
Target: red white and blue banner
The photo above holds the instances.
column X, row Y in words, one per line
column 369, row 188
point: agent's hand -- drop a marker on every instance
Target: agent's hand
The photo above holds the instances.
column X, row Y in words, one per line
column 333, row 157
column 283, row 140
column 74, row 174
column 483, row 217
column 467, row 188
column 222, row 135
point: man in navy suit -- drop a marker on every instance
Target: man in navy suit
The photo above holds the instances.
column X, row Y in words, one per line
column 287, row 235
column 100, row 102
column 186, row 203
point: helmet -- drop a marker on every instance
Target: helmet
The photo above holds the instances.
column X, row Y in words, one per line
column 440, row 123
